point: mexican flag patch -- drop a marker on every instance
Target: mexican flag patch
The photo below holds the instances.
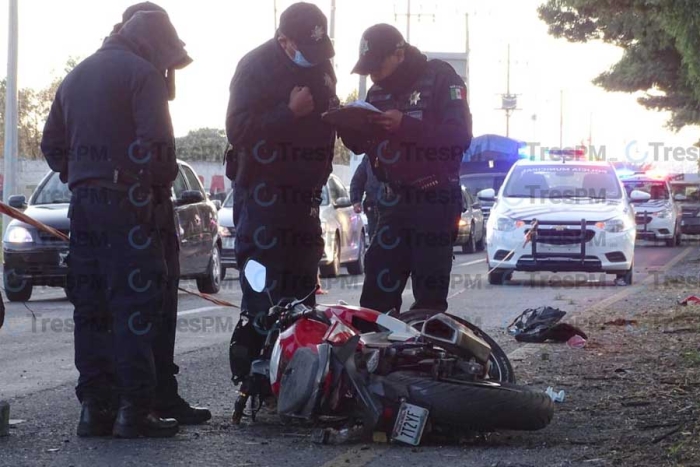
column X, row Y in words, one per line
column 458, row 93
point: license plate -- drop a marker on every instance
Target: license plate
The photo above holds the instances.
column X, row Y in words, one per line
column 229, row 243
column 410, row 424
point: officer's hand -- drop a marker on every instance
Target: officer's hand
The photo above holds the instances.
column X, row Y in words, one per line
column 389, row 120
column 301, row 102
column 357, row 207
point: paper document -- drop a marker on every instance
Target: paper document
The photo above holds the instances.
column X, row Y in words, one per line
column 353, row 116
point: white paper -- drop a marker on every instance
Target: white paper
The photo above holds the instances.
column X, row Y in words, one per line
column 364, row 105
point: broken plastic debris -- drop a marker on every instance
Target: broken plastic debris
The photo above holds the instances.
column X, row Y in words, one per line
column 555, row 396
column 577, row 342
column 693, row 300
column 621, row 282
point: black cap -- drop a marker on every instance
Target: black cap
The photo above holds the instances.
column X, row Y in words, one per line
column 143, row 6
column 378, row 42
column 307, row 26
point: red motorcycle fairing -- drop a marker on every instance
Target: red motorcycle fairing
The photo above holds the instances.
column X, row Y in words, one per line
column 305, row 333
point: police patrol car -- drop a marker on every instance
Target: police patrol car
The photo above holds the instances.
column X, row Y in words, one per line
column 659, row 218
column 561, row 216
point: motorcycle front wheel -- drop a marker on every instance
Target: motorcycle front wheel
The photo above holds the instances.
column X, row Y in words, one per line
column 476, row 406
column 500, row 370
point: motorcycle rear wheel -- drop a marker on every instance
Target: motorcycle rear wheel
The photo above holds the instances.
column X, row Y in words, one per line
column 479, row 407
column 501, row 369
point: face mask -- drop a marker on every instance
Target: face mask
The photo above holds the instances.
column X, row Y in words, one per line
column 301, row 61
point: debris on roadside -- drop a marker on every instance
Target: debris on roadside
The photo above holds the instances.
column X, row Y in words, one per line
column 539, row 325
column 555, row 396
column 691, row 300
column 576, row 342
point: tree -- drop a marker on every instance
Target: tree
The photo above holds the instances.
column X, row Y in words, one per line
column 205, row 144
column 32, row 112
column 661, row 42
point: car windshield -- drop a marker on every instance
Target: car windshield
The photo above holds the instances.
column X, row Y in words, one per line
column 477, row 183
column 228, row 202
column 54, row 191
column 563, row 181
column 657, row 190
column 690, row 191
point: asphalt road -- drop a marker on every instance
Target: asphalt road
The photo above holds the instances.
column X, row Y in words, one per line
column 37, row 375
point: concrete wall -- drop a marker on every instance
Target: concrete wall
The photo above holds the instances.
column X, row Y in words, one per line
column 212, row 173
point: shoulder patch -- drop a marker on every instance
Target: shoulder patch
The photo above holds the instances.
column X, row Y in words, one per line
column 458, row 93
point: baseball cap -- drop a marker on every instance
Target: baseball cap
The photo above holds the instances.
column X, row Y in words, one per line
column 378, row 42
column 307, row 26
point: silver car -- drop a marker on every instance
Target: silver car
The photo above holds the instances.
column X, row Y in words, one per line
column 343, row 231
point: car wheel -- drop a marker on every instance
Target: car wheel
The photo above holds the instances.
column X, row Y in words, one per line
column 626, row 277
column 332, row 269
column 211, row 283
column 499, row 277
column 357, row 268
column 17, row 291
column 470, row 246
column 481, row 244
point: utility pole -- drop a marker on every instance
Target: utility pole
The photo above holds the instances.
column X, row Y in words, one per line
column 468, row 51
column 331, row 33
column 274, row 8
column 11, row 97
column 409, row 15
column 509, row 102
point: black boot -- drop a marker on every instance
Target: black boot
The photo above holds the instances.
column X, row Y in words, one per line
column 134, row 421
column 184, row 413
column 95, row 420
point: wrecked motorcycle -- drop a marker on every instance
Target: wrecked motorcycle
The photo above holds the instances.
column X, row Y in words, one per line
column 350, row 368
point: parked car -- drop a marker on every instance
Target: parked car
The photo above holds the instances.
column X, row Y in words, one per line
column 659, row 218
column 33, row 257
column 477, row 182
column 687, row 194
column 227, row 231
column 343, row 231
column 585, row 221
column 471, row 234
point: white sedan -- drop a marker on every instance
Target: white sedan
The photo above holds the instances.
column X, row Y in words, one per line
column 561, row 217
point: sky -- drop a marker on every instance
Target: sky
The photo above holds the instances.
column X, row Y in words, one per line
column 219, row 33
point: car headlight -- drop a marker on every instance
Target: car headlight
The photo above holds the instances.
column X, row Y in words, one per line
column 506, row 224
column 18, row 234
column 615, row 225
column 224, row 232
column 665, row 214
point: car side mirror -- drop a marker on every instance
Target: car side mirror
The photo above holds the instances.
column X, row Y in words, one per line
column 343, row 202
column 18, row 202
column 218, row 204
column 639, row 196
column 190, row 197
column 487, row 195
column 680, row 197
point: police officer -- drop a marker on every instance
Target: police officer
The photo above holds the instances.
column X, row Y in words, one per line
column 364, row 189
column 283, row 157
column 110, row 136
column 416, row 148
column 168, row 403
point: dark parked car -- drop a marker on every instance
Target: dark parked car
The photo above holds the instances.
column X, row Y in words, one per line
column 227, row 231
column 32, row 257
column 471, row 226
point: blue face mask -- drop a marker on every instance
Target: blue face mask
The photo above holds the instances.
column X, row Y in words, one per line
column 300, row 60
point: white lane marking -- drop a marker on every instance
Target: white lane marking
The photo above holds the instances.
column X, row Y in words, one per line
column 471, row 263
column 200, row 310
